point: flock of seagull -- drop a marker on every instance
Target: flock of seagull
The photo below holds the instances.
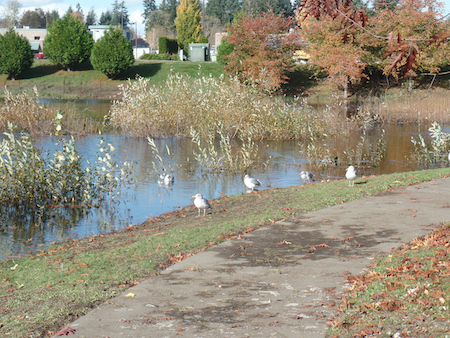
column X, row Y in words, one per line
column 202, row 203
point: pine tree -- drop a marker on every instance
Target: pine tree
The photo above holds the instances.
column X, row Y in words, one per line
column 222, row 9
column 112, row 53
column 68, row 43
column 188, row 23
column 149, row 6
column 15, row 54
column 91, row 17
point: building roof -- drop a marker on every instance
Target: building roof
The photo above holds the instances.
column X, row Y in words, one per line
column 35, row 45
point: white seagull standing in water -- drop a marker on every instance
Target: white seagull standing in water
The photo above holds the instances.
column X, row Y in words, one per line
column 169, row 179
column 351, row 175
column 251, row 182
column 306, row 176
column 201, row 203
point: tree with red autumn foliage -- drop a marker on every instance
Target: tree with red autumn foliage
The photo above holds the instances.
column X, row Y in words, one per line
column 263, row 51
column 409, row 39
column 398, row 40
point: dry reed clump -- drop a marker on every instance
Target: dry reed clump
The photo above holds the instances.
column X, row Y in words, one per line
column 437, row 152
column 182, row 102
column 416, row 106
column 26, row 113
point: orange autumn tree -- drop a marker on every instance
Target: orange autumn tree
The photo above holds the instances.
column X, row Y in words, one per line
column 332, row 30
column 397, row 40
column 409, row 39
column 263, row 49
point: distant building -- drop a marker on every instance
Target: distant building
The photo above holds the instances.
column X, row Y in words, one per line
column 35, row 36
column 97, row 31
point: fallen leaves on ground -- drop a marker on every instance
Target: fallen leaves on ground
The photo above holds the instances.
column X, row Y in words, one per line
column 65, row 332
column 410, row 286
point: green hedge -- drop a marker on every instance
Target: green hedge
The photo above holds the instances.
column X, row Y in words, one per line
column 165, row 56
column 168, row 45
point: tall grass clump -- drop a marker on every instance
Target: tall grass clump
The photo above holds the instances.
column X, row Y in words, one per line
column 401, row 106
column 26, row 113
column 29, row 115
column 365, row 150
column 226, row 154
column 181, row 102
column 32, row 181
column 437, row 151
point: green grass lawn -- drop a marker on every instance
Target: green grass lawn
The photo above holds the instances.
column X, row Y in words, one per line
column 84, row 82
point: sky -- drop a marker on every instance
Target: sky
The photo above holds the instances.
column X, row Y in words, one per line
column 135, row 7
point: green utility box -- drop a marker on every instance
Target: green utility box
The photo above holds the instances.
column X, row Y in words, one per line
column 199, row 51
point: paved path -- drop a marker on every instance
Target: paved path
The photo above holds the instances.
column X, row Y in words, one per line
column 279, row 281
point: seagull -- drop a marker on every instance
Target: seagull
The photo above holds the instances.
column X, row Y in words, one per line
column 351, row 175
column 201, row 203
column 169, row 179
column 306, row 176
column 251, row 182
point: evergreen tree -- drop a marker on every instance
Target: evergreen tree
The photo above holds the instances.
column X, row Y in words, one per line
column 51, row 17
column 223, row 9
column 15, row 54
column 149, row 6
column 119, row 14
column 91, row 17
column 105, row 18
column 256, row 7
column 78, row 8
column 159, row 18
column 170, row 7
column 34, row 19
column 69, row 11
column 68, row 43
column 188, row 23
column 112, row 53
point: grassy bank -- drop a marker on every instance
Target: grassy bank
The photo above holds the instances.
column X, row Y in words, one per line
column 42, row 292
column 86, row 83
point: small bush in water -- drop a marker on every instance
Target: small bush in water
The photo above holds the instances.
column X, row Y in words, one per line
column 31, row 181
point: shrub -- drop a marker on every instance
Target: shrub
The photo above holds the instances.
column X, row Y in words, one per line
column 167, row 45
column 112, row 53
column 165, row 56
column 32, row 182
column 68, row 43
column 224, row 49
column 15, row 54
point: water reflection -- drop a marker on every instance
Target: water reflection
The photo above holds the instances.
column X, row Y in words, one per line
column 95, row 109
column 147, row 198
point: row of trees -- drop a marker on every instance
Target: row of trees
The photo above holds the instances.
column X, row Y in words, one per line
column 346, row 39
column 37, row 18
column 68, row 44
column 397, row 38
column 215, row 14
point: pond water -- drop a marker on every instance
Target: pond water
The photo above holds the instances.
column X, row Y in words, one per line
column 147, row 198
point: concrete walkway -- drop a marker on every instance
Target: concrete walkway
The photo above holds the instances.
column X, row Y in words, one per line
column 279, row 281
